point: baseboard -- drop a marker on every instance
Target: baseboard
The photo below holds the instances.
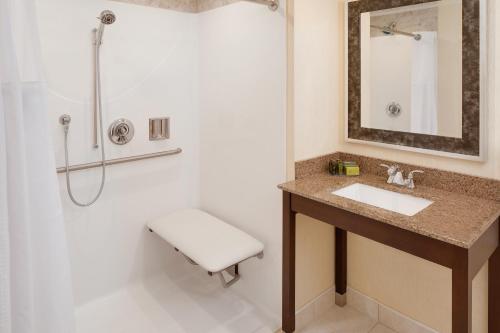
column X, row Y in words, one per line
column 314, row 309
column 364, row 304
column 385, row 315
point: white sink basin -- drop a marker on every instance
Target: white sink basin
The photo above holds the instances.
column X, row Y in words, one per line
column 400, row 203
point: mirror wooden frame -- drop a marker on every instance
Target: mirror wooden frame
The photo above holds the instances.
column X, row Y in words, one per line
column 469, row 146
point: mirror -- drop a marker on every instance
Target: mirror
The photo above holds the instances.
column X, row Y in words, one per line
column 411, row 69
column 414, row 74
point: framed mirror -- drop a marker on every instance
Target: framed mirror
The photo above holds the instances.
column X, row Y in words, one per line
column 414, row 75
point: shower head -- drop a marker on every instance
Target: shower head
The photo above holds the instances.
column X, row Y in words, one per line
column 107, row 17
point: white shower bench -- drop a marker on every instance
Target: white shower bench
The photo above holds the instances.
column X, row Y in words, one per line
column 208, row 242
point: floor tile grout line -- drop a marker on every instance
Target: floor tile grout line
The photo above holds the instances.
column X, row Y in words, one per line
column 373, row 327
column 382, row 325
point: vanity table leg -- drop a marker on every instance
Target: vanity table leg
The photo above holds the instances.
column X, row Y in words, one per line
column 288, row 294
column 340, row 267
column 494, row 292
column 461, row 295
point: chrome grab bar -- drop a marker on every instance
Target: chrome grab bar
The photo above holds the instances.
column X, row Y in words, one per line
column 120, row 160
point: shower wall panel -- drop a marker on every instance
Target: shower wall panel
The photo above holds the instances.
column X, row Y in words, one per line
column 149, row 69
column 242, row 104
column 220, row 76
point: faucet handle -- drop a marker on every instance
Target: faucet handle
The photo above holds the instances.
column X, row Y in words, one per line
column 410, row 175
column 391, row 172
column 391, row 169
column 409, row 182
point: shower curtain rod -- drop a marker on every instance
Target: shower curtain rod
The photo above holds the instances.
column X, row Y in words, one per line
column 272, row 4
column 390, row 30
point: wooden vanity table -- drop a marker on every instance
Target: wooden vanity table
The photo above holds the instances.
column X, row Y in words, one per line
column 457, row 231
column 460, row 230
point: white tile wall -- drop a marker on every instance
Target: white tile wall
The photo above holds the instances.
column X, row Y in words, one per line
column 228, row 65
column 242, row 103
column 149, row 59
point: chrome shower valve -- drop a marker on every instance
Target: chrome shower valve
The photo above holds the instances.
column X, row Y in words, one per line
column 121, row 131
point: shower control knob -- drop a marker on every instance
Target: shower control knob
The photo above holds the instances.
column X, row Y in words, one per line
column 121, row 131
column 65, row 119
column 394, row 109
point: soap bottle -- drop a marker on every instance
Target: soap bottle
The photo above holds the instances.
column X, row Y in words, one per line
column 332, row 167
column 340, row 167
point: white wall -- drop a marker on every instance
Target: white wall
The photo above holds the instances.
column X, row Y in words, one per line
column 220, row 76
column 149, row 69
column 242, row 104
column 388, row 80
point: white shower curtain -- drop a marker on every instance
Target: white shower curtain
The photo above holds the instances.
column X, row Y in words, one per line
column 35, row 281
column 424, row 85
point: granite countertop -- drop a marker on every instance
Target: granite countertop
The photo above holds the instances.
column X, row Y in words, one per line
column 454, row 218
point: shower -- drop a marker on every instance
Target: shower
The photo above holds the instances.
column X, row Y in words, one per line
column 107, row 17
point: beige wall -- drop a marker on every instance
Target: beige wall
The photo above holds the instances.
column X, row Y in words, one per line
column 317, row 72
column 316, row 97
column 417, row 288
column 314, row 260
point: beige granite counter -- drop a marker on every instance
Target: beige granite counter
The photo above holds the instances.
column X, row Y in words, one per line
column 456, row 218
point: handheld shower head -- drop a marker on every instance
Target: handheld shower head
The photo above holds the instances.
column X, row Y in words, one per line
column 107, row 17
column 65, row 120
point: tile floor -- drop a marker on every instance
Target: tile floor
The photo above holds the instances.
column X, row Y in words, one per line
column 160, row 305
column 345, row 320
column 195, row 304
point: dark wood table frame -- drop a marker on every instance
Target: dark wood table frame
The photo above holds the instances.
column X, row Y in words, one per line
column 464, row 263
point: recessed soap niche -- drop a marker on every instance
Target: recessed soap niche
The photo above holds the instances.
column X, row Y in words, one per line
column 159, row 129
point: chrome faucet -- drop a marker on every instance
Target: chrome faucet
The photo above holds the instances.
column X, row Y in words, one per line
column 409, row 182
column 396, row 176
column 391, row 172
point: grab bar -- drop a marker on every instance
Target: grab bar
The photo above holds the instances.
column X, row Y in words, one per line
column 120, row 160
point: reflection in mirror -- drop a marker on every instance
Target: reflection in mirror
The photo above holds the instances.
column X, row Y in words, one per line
column 411, row 69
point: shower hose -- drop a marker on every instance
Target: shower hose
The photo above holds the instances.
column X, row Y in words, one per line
column 103, row 153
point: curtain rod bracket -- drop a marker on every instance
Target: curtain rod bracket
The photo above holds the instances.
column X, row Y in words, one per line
column 272, row 4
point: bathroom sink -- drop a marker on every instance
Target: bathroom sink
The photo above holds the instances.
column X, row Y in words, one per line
column 396, row 202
